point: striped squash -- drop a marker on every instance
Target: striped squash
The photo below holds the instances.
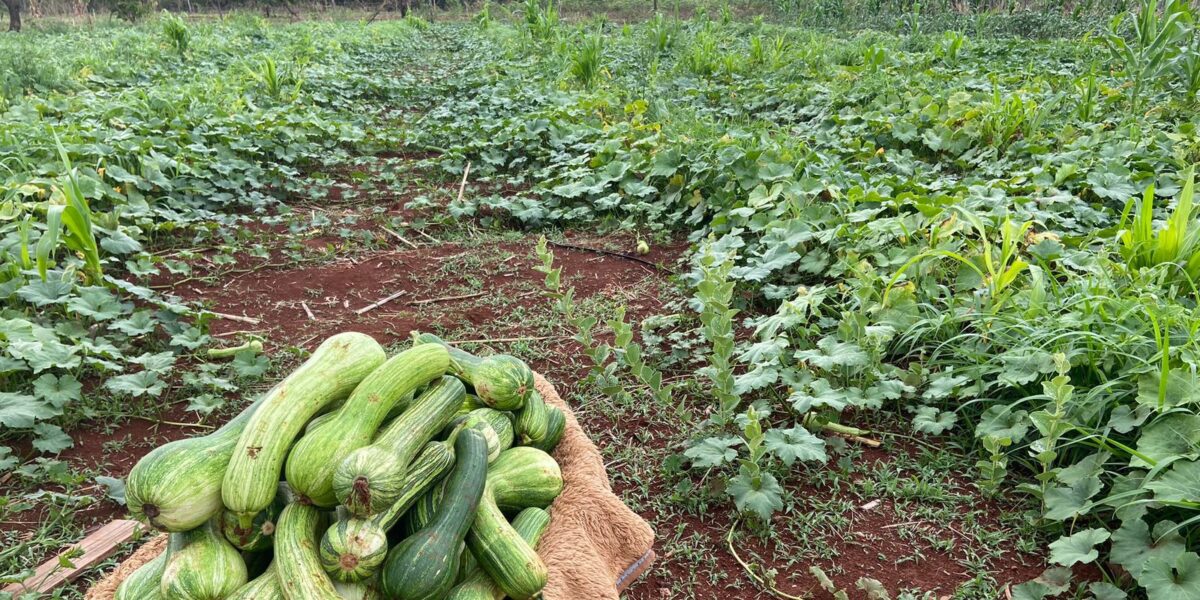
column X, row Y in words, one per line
column 344, row 560
column 530, row 524
column 328, row 376
column 371, row 478
column 205, row 567
column 177, row 486
column 296, row 563
column 313, row 460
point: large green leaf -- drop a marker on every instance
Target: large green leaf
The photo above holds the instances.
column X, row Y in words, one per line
column 1178, row 580
column 1134, row 544
column 20, row 411
column 1079, row 547
column 1181, row 483
column 713, row 452
column 790, row 445
column 1175, row 434
column 761, row 498
column 1070, row 501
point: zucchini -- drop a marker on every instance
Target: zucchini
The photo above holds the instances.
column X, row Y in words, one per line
column 313, row 459
column 501, row 381
column 531, row 420
column 470, row 403
column 372, row 477
column 297, row 566
column 143, row 583
column 337, row 553
column 524, row 477
column 356, row 590
column 556, row 425
column 328, row 376
column 318, row 421
column 177, row 486
column 500, row 421
column 263, row 587
column 260, row 533
column 476, row 584
column 424, row 565
column 503, row 554
column 352, row 549
column 203, row 567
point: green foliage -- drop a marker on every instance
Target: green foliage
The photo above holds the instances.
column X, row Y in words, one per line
column 176, row 32
column 1147, row 56
column 714, row 292
column 586, row 62
column 131, row 10
column 541, row 22
column 1177, row 245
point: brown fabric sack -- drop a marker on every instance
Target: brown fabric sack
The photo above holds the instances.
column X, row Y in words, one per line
column 595, row 546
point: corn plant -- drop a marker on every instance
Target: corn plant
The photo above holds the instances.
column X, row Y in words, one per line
column 541, row 23
column 663, row 33
column 274, row 80
column 1148, row 54
column 997, row 267
column 702, row 57
column 176, row 32
column 68, row 208
column 1089, row 94
column 950, row 47
column 484, row 17
column 586, row 68
column 1005, row 120
column 1187, row 67
column 1176, row 244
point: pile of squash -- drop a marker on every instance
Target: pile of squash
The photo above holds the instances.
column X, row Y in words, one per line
column 360, row 476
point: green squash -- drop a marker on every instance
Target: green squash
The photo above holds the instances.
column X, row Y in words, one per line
column 143, row 584
column 205, row 567
column 335, row 368
column 372, row 478
column 522, row 477
column 476, row 584
column 424, row 565
column 500, row 381
column 296, row 559
column 177, row 486
column 313, row 460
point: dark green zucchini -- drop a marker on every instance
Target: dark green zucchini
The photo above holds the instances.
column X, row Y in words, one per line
column 424, row 565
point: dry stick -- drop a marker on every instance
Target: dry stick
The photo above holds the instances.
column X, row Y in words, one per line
column 462, row 187
column 175, row 423
column 512, row 339
column 448, row 298
column 451, row 256
column 611, row 253
column 239, row 332
column 765, row 585
column 239, row 318
column 429, row 237
column 308, row 311
column 379, row 303
column 401, row 238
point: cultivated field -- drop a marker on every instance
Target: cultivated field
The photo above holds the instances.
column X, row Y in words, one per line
column 850, row 313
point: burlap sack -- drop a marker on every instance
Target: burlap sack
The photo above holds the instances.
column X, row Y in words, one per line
column 595, row 546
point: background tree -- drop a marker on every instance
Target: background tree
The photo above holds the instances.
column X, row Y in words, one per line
column 14, row 14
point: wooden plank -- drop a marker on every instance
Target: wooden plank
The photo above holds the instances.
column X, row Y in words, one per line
column 96, row 547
